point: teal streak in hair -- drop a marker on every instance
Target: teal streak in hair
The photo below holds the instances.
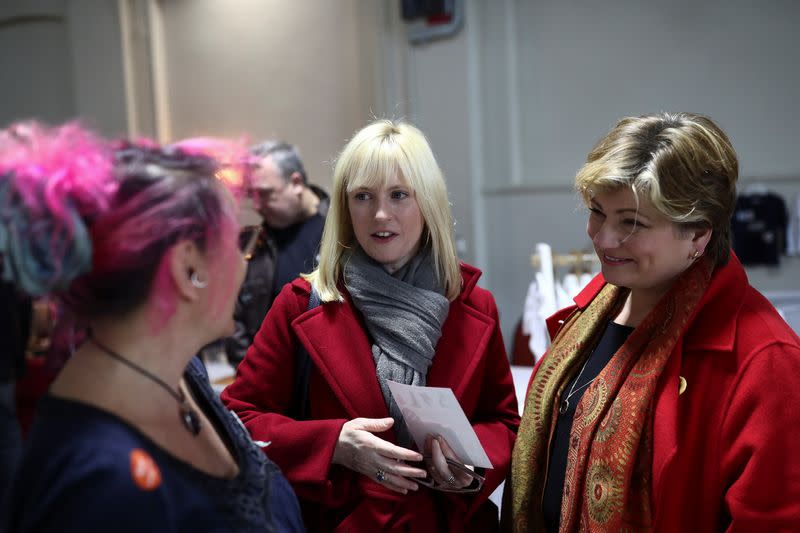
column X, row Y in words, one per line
column 39, row 256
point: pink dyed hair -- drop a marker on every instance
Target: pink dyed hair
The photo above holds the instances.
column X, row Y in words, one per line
column 233, row 156
column 165, row 196
column 55, row 180
column 137, row 201
column 58, row 168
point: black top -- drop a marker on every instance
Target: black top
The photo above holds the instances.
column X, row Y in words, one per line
column 613, row 338
column 86, row 469
column 297, row 249
column 15, row 327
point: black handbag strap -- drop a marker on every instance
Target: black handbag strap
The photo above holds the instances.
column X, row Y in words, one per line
column 298, row 406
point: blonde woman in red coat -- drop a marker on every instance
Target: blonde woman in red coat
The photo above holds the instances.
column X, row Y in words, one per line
column 669, row 399
column 396, row 305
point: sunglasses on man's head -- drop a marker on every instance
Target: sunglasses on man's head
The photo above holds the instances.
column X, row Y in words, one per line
column 248, row 238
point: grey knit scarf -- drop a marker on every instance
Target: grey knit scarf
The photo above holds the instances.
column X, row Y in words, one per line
column 404, row 313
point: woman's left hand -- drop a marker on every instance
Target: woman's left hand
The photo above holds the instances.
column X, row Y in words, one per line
column 439, row 451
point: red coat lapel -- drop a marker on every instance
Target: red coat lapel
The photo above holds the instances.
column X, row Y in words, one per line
column 665, row 422
column 340, row 350
column 466, row 335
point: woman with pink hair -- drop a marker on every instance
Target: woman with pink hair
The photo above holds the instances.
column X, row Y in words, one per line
column 139, row 242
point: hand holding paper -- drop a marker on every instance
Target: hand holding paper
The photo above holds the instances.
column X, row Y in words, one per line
column 445, row 467
column 360, row 450
column 436, row 411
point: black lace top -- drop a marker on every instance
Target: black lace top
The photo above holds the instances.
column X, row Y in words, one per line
column 259, row 498
column 86, row 469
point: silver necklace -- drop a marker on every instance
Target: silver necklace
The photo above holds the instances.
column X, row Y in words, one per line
column 564, row 406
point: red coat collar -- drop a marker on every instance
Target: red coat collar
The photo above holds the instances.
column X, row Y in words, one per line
column 713, row 325
column 336, row 341
column 469, row 279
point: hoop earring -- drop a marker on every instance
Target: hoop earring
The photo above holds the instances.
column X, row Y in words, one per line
column 195, row 280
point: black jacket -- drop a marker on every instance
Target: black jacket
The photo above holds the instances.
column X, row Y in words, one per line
column 15, row 327
column 259, row 287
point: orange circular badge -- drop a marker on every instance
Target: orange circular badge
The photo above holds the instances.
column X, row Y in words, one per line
column 144, row 470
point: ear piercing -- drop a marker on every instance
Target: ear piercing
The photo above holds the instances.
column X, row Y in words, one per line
column 197, row 282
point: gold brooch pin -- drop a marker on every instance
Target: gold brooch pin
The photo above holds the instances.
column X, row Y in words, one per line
column 681, row 385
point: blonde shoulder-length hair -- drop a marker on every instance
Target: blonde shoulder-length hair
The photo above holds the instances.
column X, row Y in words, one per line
column 381, row 150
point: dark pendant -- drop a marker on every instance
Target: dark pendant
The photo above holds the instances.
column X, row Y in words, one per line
column 190, row 420
column 562, row 409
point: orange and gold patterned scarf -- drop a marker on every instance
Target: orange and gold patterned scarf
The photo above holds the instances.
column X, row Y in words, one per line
column 607, row 483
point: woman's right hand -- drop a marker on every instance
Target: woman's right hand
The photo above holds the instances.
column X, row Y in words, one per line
column 359, row 450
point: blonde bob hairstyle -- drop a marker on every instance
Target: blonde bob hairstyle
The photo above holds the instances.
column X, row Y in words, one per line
column 682, row 163
column 381, row 150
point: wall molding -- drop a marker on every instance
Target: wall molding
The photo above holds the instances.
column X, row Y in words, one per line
column 509, row 190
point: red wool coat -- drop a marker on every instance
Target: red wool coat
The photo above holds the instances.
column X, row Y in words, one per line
column 726, row 451
column 470, row 359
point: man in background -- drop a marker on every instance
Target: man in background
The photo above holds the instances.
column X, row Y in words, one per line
column 293, row 213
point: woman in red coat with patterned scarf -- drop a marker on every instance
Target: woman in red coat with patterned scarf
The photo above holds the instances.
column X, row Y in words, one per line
column 395, row 305
column 669, row 399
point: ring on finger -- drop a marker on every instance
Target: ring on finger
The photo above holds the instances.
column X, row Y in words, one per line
column 380, row 475
column 451, row 480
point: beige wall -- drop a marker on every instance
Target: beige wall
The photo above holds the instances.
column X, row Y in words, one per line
column 301, row 70
column 61, row 60
column 511, row 104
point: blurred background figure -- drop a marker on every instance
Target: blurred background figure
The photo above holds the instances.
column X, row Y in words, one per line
column 139, row 242
column 15, row 318
column 293, row 213
column 389, row 301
